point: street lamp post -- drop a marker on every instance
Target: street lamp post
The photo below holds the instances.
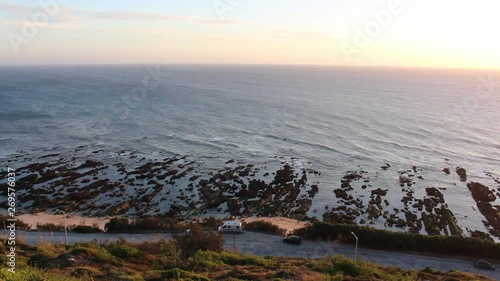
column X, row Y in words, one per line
column 356, row 247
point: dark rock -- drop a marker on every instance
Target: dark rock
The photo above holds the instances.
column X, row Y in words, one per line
column 411, row 218
column 373, row 212
column 339, row 217
column 462, row 173
column 385, row 167
column 431, row 224
column 352, row 176
column 340, row 193
column 404, row 179
column 434, row 192
column 481, row 192
column 481, row 235
column 379, row 191
column 446, row 171
column 492, row 215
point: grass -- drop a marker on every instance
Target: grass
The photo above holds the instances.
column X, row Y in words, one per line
column 153, row 261
column 33, row 274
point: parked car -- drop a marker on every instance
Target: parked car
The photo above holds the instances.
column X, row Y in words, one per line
column 292, row 239
column 484, row 264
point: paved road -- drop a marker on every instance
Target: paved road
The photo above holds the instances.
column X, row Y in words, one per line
column 271, row 245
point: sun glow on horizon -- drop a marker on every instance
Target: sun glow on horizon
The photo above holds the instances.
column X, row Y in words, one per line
column 385, row 33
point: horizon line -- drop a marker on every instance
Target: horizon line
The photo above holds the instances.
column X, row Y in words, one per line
column 255, row 64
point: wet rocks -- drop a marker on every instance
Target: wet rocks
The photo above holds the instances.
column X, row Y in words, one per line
column 405, row 180
column 352, row 176
column 480, row 235
column 431, row 223
column 347, row 216
column 373, row 212
column 436, row 195
column 481, row 192
column 119, row 209
column 173, row 185
column 340, row 193
column 492, row 215
column 379, row 191
column 462, row 173
column 411, row 219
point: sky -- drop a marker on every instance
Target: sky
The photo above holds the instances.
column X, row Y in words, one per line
column 421, row 33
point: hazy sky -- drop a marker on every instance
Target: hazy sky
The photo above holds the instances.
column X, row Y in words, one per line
column 440, row 33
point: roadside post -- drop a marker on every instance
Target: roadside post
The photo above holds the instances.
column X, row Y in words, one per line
column 356, row 247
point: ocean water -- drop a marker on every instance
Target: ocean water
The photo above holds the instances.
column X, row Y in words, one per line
column 333, row 119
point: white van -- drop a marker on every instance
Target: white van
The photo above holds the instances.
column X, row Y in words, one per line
column 231, row 227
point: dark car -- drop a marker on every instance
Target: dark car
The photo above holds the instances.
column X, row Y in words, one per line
column 484, row 264
column 292, row 239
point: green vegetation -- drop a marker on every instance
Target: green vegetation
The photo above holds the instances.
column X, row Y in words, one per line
column 51, row 227
column 86, row 229
column 264, row 226
column 198, row 255
column 199, row 239
column 118, row 224
column 177, row 259
column 397, row 241
column 155, row 224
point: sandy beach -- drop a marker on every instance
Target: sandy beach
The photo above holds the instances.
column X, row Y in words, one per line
column 285, row 223
column 42, row 218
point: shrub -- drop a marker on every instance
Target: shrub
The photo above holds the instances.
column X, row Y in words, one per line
column 171, row 253
column 185, row 275
column 103, row 256
column 346, row 266
column 123, row 276
column 156, row 223
column 86, row 229
column 38, row 261
column 32, row 274
column 50, row 227
column 85, row 272
column 387, row 240
column 211, row 222
column 124, row 252
column 264, row 226
column 209, row 259
column 117, row 224
column 49, row 249
column 198, row 239
column 153, row 247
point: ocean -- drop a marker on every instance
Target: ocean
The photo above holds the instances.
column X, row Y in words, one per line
column 330, row 119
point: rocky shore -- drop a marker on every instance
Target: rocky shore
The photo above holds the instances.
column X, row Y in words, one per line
column 123, row 183
column 484, row 196
column 176, row 186
column 429, row 213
